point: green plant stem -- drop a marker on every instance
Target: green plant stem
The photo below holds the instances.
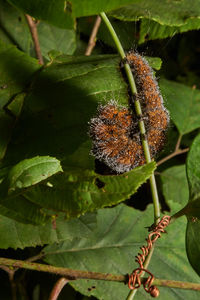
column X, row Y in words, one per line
column 138, row 110
column 71, row 274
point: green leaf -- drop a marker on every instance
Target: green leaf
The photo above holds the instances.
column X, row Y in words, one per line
column 23, row 175
column 14, row 28
column 193, row 243
column 151, row 30
column 92, row 7
column 193, row 170
column 6, row 126
column 62, row 100
column 58, row 12
column 111, row 248
column 16, row 69
column 125, row 30
column 8, row 117
column 173, row 13
column 51, row 37
column 183, row 103
column 20, row 235
column 174, row 184
column 31, row 171
column 76, row 194
column 154, row 62
column 78, row 84
column 193, row 209
column 22, row 210
column 61, row 13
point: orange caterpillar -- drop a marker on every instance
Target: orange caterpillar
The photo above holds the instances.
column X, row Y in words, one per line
column 115, row 131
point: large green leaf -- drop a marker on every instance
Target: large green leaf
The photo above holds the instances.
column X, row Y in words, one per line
column 54, row 122
column 76, row 194
column 16, row 69
column 193, row 243
column 193, row 228
column 14, row 30
column 63, row 98
column 20, row 209
column 151, row 30
column 92, row 7
column 173, row 13
column 20, row 235
column 193, row 170
column 13, row 27
column 112, row 247
column 61, row 13
column 174, row 184
column 57, row 12
column 183, row 103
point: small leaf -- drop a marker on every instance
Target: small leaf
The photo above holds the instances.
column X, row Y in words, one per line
column 31, row 171
column 183, row 103
column 154, row 62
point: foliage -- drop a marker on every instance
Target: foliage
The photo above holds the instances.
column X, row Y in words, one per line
column 54, row 196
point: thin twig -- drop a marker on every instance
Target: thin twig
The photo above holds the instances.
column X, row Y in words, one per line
column 59, row 285
column 175, row 153
column 177, row 147
column 36, row 257
column 33, row 29
column 71, row 274
column 92, row 40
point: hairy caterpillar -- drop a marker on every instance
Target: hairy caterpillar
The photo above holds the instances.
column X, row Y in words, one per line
column 115, row 132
